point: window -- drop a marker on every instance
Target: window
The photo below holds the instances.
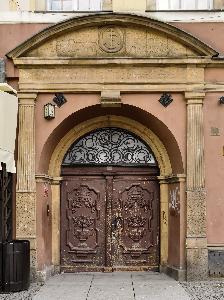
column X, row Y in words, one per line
column 184, row 4
column 109, row 146
column 75, row 5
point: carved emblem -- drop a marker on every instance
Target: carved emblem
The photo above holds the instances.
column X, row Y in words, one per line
column 135, row 222
column 136, row 234
column 82, row 198
column 111, row 39
column 82, row 231
column 136, row 198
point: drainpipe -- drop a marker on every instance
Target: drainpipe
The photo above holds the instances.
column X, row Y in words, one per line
column 2, row 70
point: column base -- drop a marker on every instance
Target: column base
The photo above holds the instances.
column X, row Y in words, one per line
column 175, row 273
column 42, row 276
column 197, row 264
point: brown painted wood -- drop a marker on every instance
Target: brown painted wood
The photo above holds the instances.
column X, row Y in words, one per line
column 135, row 211
column 109, row 219
column 83, row 223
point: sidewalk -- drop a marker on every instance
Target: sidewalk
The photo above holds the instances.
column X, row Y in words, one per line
column 120, row 286
column 112, row 286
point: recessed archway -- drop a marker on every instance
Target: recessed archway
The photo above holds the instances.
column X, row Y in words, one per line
column 109, row 204
column 78, row 131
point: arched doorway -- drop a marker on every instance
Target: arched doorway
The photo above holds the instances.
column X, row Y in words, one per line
column 109, row 203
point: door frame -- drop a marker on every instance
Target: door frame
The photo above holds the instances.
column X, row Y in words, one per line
column 148, row 137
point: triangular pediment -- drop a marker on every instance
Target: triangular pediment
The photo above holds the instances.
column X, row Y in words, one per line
column 112, row 35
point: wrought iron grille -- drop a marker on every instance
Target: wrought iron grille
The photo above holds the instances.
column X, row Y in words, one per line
column 6, row 187
column 109, row 146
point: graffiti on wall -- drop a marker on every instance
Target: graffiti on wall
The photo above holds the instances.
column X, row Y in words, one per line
column 174, row 200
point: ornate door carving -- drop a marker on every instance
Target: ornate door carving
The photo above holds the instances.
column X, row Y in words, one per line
column 135, row 223
column 83, row 223
column 109, row 220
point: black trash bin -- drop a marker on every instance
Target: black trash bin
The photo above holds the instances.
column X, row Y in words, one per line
column 16, row 266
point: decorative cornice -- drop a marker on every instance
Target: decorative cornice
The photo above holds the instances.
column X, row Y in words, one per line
column 85, row 21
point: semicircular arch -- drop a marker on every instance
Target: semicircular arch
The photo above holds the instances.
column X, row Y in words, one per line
column 135, row 127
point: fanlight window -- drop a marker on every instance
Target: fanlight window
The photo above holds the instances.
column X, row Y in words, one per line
column 109, row 146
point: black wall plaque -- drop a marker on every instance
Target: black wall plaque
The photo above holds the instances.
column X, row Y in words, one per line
column 165, row 99
column 59, row 99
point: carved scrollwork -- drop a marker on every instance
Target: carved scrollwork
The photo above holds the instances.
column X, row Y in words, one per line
column 136, row 221
column 136, row 198
column 82, row 197
column 137, row 234
column 81, row 227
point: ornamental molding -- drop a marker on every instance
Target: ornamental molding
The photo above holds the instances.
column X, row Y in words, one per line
column 111, row 38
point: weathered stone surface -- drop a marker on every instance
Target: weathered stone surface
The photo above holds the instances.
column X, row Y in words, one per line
column 110, row 40
column 196, row 213
column 25, row 215
column 101, row 75
column 197, row 264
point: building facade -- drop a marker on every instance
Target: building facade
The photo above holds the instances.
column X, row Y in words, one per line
column 120, row 152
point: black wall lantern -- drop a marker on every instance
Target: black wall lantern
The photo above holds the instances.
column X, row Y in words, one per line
column 49, row 111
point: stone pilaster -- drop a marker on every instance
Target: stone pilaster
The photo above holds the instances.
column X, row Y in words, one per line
column 163, row 221
column 26, row 186
column 55, row 192
column 197, row 254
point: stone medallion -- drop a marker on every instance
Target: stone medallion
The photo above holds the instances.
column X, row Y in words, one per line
column 111, row 39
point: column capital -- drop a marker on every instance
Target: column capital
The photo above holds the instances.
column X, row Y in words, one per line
column 27, row 95
column 26, row 98
column 194, row 97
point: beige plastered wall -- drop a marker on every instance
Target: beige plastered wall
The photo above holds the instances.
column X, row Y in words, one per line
column 214, row 160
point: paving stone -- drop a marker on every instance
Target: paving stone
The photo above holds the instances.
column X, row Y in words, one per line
column 120, row 286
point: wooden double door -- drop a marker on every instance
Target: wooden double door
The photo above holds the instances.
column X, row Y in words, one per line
column 109, row 219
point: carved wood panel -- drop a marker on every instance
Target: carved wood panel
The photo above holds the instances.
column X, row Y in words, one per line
column 135, row 222
column 109, row 221
column 83, row 223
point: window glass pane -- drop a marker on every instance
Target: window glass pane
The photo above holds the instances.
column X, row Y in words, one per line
column 56, row 5
column 174, row 4
column 189, row 4
column 162, row 4
column 204, row 4
column 83, row 5
column 67, row 5
column 75, row 4
column 95, row 5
